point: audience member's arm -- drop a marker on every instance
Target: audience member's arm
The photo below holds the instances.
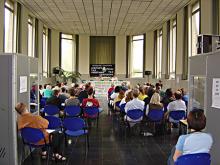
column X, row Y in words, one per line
column 179, row 147
column 42, row 122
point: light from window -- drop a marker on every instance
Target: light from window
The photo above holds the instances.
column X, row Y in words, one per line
column 195, row 26
column 173, row 50
column 159, row 53
column 67, row 52
column 8, row 29
column 45, row 54
column 137, row 56
column 30, row 37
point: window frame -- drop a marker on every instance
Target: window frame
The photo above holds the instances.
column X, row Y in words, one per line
column 172, row 58
column 45, row 32
column 192, row 14
column 132, row 41
column 32, row 24
column 12, row 10
column 159, row 53
column 73, row 49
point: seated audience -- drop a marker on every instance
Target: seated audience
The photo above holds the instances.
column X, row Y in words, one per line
column 48, row 92
column 111, row 89
column 90, row 101
column 154, row 103
column 55, row 100
column 63, row 95
column 33, row 94
column 120, row 96
column 134, row 104
column 72, row 100
column 195, row 142
column 84, row 93
column 167, row 98
column 127, row 98
column 176, row 105
column 115, row 92
column 185, row 96
column 26, row 119
column 142, row 94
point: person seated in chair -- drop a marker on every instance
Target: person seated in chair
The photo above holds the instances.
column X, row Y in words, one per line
column 134, row 104
column 27, row 119
column 72, row 100
column 177, row 105
column 55, row 100
column 195, row 142
column 90, row 101
column 154, row 103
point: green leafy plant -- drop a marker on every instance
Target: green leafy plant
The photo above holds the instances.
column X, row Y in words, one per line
column 67, row 75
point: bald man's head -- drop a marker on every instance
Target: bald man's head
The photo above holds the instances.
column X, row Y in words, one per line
column 21, row 108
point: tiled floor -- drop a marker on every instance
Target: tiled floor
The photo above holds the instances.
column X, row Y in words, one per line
column 110, row 146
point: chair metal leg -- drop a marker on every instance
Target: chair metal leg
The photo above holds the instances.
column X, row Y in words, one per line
column 31, row 152
column 48, row 154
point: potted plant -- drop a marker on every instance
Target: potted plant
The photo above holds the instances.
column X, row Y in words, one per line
column 66, row 75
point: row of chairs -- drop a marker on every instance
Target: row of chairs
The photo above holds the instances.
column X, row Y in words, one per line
column 155, row 116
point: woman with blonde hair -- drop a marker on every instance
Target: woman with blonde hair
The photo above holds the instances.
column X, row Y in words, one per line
column 154, row 103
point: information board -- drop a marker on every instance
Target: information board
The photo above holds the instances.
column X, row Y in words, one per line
column 102, row 70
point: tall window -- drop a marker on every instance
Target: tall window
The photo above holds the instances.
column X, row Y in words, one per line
column 137, row 56
column 67, row 52
column 159, row 53
column 30, row 37
column 172, row 59
column 9, row 24
column 195, row 26
column 45, row 52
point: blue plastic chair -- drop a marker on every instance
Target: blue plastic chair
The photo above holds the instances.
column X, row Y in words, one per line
column 43, row 102
column 122, row 108
column 92, row 113
column 155, row 116
column 51, row 110
column 54, row 122
column 193, row 159
column 75, row 127
column 117, row 104
column 31, row 137
column 177, row 115
column 72, row 111
column 135, row 114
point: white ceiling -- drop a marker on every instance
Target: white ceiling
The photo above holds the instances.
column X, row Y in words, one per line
column 104, row 17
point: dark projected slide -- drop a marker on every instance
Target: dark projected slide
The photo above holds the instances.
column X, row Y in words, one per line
column 102, row 70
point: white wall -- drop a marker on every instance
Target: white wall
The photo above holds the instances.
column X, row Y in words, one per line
column 120, row 55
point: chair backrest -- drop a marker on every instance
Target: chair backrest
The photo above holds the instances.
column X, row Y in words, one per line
column 31, row 135
column 177, row 115
column 91, row 112
column 155, row 115
column 72, row 111
column 135, row 114
column 51, row 110
column 74, row 124
column 54, row 122
column 122, row 107
column 117, row 103
column 194, row 159
column 43, row 101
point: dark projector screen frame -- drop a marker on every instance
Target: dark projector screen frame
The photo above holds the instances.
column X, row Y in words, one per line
column 102, row 70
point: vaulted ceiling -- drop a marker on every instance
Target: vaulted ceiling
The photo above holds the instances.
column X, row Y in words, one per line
column 104, row 17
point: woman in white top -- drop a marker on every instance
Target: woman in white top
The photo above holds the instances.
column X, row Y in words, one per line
column 195, row 142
